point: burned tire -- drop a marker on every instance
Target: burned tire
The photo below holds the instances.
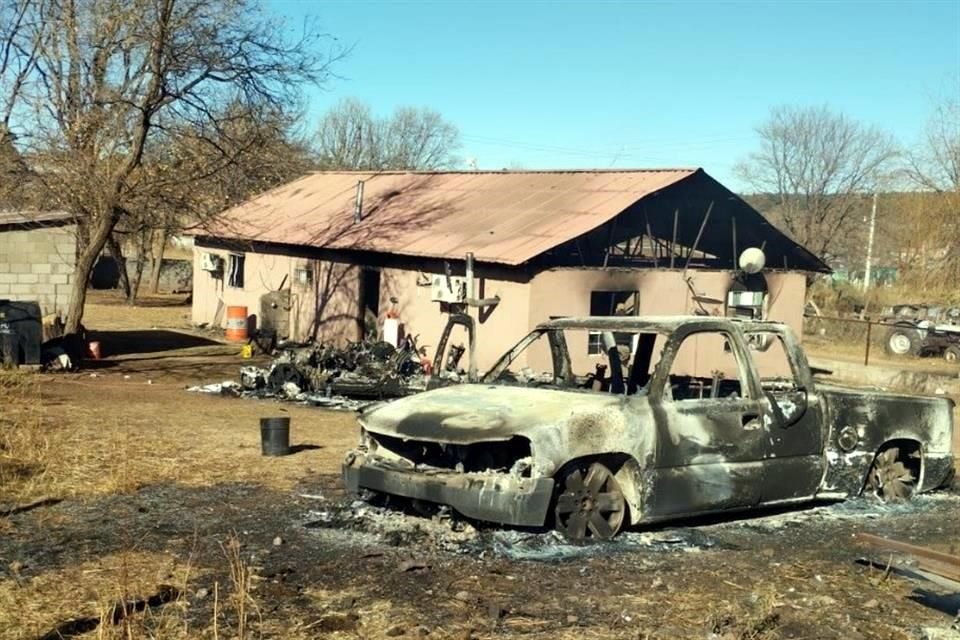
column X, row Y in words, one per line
column 903, row 341
column 590, row 504
column 894, row 473
column 283, row 373
column 952, row 353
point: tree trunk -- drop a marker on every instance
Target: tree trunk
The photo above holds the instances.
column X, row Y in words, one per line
column 142, row 237
column 135, row 284
column 113, row 246
column 86, row 259
column 158, row 249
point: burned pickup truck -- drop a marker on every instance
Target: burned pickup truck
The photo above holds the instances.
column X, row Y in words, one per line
column 637, row 420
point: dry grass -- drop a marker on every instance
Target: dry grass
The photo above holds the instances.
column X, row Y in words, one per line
column 24, row 447
column 74, row 437
column 240, row 598
column 30, row 608
column 80, row 437
column 843, row 298
column 108, row 310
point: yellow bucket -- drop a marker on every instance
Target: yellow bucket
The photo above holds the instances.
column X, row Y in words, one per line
column 246, row 351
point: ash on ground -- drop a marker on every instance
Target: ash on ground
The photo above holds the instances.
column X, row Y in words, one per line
column 379, row 521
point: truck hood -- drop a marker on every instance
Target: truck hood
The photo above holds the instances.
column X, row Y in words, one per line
column 468, row 413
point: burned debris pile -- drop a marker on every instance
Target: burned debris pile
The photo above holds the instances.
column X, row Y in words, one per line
column 370, row 370
column 349, row 377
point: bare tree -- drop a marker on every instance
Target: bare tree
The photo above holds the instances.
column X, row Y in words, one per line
column 13, row 171
column 96, row 86
column 349, row 136
column 927, row 221
column 816, row 165
column 935, row 163
column 196, row 176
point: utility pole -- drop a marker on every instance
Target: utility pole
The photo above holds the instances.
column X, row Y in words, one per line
column 873, row 224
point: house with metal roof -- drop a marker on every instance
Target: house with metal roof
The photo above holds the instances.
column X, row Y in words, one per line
column 331, row 255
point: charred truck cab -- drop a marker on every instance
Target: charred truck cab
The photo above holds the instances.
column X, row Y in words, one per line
column 677, row 416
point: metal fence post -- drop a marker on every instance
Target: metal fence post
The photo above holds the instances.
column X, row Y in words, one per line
column 866, row 355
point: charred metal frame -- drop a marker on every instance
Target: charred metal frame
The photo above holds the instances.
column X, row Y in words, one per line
column 671, row 458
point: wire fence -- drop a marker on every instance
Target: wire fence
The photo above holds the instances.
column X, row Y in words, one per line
column 863, row 333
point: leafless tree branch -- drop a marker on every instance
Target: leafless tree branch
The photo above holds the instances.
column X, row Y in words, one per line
column 816, row 166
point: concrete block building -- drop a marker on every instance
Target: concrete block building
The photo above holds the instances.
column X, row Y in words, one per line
column 37, row 257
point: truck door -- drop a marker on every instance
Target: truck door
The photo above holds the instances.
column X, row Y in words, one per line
column 712, row 421
column 796, row 437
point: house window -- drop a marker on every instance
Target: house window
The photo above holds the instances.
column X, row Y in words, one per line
column 612, row 303
column 747, row 297
column 303, row 276
column 235, row 270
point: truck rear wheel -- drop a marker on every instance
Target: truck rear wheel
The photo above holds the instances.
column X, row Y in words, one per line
column 903, row 341
column 952, row 353
column 894, row 473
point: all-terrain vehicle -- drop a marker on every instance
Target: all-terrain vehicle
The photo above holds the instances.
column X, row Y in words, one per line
column 923, row 330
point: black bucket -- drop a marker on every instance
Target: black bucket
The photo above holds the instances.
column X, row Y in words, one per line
column 275, row 436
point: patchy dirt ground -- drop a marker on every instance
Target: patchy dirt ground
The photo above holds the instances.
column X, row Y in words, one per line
column 119, row 485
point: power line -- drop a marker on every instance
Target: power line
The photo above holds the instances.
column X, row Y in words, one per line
column 647, row 148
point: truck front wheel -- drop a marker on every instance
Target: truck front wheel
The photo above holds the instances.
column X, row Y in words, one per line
column 589, row 503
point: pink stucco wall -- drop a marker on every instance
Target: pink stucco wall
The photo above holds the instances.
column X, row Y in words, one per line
column 566, row 292
column 263, row 273
column 497, row 331
column 334, row 285
column 327, row 308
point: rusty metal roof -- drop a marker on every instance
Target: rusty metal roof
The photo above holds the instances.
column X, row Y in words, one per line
column 505, row 217
column 28, row 218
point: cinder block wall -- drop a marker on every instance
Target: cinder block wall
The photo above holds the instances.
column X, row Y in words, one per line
column 37, row 264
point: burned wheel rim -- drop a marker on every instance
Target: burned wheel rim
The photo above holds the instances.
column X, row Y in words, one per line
column 890, row 479
column 590, row 504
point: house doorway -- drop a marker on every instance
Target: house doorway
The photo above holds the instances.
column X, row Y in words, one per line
column 369, row 303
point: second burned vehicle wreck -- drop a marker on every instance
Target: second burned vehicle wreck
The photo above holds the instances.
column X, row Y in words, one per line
column 690, row 415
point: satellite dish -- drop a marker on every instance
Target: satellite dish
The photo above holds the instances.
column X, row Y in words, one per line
column 752, row 260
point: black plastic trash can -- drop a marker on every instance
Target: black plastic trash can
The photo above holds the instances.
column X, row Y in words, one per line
column 275, row 436
column 21, row 332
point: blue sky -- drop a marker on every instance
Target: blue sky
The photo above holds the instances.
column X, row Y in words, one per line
column 543, row 85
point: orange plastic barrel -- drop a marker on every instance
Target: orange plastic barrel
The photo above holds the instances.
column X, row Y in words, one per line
column 236, row 324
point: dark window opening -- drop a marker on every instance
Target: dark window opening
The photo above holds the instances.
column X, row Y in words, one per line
column 612, row 303
column 236, row 270
column 705, row 368
column 777, row 376
column 369, row 302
